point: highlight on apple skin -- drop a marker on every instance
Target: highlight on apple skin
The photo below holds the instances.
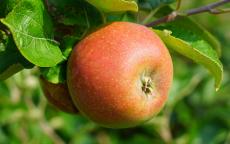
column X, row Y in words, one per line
column 120, row 75
column 58, row 96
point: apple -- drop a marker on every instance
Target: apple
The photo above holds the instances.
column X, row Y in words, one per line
column 58, row 96
column 120, row 75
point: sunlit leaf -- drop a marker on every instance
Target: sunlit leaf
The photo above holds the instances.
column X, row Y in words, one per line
column 115, row 5
column 194, row 44
column 33, row 33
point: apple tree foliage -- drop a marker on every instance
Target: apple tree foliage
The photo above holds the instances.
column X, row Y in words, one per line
column 43, row 33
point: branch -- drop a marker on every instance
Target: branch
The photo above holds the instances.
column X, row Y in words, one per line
column 211, row 8
column 47, row 5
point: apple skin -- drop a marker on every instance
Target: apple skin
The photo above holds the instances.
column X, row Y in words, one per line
column 58, row 96
column 120, row 75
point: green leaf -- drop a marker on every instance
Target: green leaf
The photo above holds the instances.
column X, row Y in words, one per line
column 128, row 17
column 32, row 31
column 192, row 41
column 114, row 5
column 151, row 4
column 11, row 61
column 67, row 44
column 6, row 6
column 56, row 74
column 69, row 12
column 74, row 18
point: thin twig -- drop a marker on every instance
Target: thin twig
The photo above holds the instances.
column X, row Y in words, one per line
column 44, row 125
column 150, row 15
column 211, row 8
column 207, row 8
column 48, row 130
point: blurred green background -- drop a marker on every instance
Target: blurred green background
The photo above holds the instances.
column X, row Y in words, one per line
column 194, row 113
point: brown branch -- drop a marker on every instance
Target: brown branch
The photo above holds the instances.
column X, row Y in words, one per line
column 211, row 8
column 47, row 5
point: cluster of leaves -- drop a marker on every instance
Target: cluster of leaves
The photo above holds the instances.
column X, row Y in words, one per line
column 43, row 33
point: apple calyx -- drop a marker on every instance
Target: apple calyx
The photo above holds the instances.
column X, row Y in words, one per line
column 147, row 85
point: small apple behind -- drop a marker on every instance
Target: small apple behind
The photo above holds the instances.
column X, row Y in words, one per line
column 120, row 75
column 58, row 96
